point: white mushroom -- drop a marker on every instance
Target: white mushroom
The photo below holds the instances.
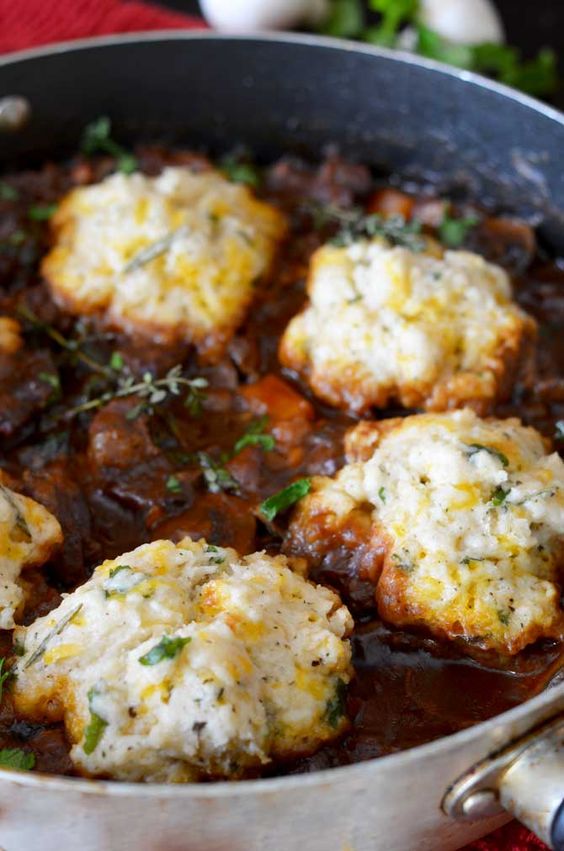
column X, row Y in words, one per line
column 463, row 21
column 258, row 15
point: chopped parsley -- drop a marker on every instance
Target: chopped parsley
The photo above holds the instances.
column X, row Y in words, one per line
column 282, row 500
column 167, row 648
column 95, row 729
column 97, row 139
column 499, row 496
column 336, row 706
column 453, row 232
column 346, row 19
column 4, row 676
column 17, row 758
column 491, row 450
column 7, row 192
column 255, row 436
column 41, row 212
column 116, row 361
column 241, row 171
column 173, row 484
column 382, row 494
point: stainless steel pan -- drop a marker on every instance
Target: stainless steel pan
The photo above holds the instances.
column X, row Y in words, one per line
column 298, row 94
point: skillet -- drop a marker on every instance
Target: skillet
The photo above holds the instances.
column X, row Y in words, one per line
column 430, row 123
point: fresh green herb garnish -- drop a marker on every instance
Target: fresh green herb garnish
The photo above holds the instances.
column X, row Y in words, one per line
column 346, row 19
column 116, row 361
column 354, row 225
column 7, row 192
column 499, row 496
column 255, row 436
column 241, row 171
column 20, row 521
column 453, row 232
column 17, row 758
column 402, row 563
column 491, row 450
column 173, row 485
column 282, row 500
column 382, row 494
column 117, row 569
column 336, row 706
column 41, row 212
column 4, row 676
column 57, row 629
column 53, row 380
column 154, row 250
column 95, row 729
column 151, row 390
column 97, row 139
column 395, row 13
column 217, row 477
column 538, row 76
column 167, row 648
column 504, row 616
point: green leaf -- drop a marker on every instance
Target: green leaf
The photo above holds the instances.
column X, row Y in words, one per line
column 382, row 494
column 4, row 676
column 434, row 46
column 395, row 13
column 240, row 171
column 17, row 758
column 255, row 436
column 355, row 225
column 504, row 616
column 41, row 212
column 173, row 485
column 499, row 496
column 336, row 706
column 97, row 139
column 538, row 76
column 93, row 733
column 7, row 192
column 453, row 232
column 167, row 648
column 116, row 361
column 346, row 19
column 282, row 500
column 491, row 450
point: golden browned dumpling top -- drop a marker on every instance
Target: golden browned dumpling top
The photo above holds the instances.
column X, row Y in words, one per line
column 464, row 518
column 175, row 256
column 390, row 324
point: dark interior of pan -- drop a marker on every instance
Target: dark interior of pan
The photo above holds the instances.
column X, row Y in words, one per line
column 299, row 95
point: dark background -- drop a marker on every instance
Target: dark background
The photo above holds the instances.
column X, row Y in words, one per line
column 530, row 25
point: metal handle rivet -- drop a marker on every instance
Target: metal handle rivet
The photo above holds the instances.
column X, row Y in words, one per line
column 14, row 112
column 481, row 804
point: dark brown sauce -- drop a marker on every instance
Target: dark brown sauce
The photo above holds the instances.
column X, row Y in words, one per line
column 111, row 494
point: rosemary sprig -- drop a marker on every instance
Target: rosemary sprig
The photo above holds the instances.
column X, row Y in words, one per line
column 155, row 249
column 57, row 629
column 151, row 390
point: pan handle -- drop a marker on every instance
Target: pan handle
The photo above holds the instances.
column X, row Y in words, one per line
column 526, row 779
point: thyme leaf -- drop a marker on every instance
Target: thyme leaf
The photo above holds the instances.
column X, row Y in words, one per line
column 354, row 224
column 154, row 250
column 491, row 450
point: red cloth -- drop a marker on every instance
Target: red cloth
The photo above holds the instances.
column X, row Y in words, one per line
column 26, row 23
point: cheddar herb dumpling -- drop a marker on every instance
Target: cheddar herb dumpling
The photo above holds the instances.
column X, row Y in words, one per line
column 28, row 535
column 465, row 521
column 388, row 324
column 175, row 256
column 177, row 662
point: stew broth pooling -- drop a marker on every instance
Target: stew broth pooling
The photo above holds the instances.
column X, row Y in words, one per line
column 121, row 470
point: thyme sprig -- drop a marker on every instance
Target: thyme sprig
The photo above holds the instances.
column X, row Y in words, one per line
column 71, row 346
column 354, row 224
column 152, row 391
